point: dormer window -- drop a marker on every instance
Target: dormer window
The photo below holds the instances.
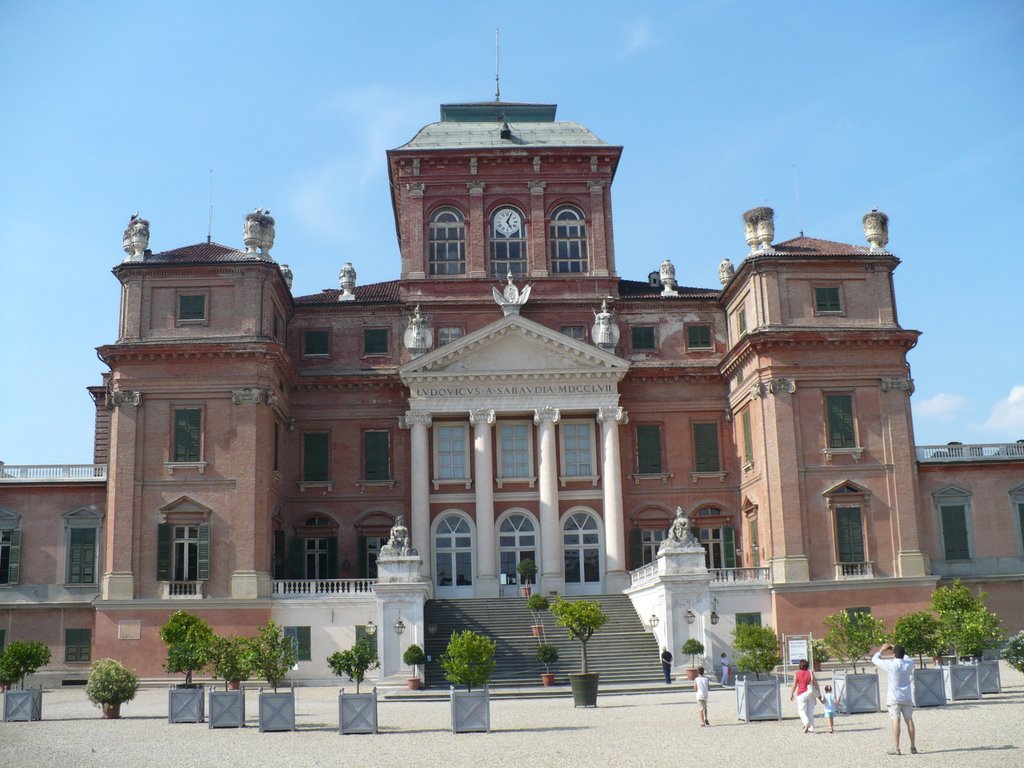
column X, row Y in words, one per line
column 447, row 243
column 507, row 235
column 568, row 238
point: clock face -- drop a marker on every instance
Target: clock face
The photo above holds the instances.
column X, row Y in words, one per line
column 507, row 222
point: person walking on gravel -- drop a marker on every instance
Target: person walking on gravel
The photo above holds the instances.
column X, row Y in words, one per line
column 900, row 672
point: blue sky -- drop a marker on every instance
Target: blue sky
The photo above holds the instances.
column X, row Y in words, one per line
column 820, row 110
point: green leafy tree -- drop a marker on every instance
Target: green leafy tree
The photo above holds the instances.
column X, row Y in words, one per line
column 354, row 662
column 693, row 647
column 414, row 657
column 965, row 624
column 537, row 603
column 273, row 654
column 527, row 570
column 22, row 658
column 757, row 649
column 819, row 650
column 852, row 634
column 110, row 683
column 1013, row 654
column 189, row 640
column 547, row 654
column 581, row 618
column 469, row 659
column 231, row 658
column 918, row 633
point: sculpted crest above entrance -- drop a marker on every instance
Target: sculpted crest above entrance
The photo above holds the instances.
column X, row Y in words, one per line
column 514, row 364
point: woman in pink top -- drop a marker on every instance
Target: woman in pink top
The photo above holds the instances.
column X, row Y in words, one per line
column 804, row 687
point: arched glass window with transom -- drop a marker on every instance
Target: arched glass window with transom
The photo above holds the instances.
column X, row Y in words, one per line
column 447, row 243
column 453, row 556
column 507, row 236
column 517, row 541
column 568, row 238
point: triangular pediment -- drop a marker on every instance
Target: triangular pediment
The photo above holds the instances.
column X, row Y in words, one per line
column 185, row 506
column 514, row 345
column 847, row 488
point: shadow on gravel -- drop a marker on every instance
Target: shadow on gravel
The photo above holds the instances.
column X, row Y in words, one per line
column 999, row 748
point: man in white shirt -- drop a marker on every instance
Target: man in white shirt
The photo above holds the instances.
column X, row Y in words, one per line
column 900, row 673
column 701, row 688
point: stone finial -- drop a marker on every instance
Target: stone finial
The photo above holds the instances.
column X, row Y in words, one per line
column 286, row 272
column 418, row 336
column 604, row 332
column 759, row 226
column 876, row 229
column 726, row 271
column 511, row 299
column 136, row 238
column 347, row 281
column 667, row 274
column 258, row 233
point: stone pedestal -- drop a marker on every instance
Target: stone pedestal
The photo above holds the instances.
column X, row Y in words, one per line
column 401, row 593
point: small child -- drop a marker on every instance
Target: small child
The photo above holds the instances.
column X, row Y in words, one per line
column 828, row 700
column 700, row 689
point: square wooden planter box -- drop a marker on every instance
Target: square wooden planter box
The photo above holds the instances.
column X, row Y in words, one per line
column 928, row 689
column 186, row 705
column 961, row 682
column 988, row 677
column 227, row 709
column 277, row 711
column 471, row 711
column 758, row 699
column 23, row 706
column 856, row 692
column 357, row 712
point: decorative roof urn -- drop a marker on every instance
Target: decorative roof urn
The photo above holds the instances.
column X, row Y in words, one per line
column 762, row 221
column 876, row 229
column 136, row 238
column 667, row 274
column 286, row 272
column 726, row 272
column 347, row 281
column 258, row 233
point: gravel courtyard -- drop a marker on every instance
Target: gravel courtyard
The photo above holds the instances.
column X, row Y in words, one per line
column 658, row 727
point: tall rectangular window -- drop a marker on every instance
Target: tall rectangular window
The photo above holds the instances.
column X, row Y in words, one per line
column 826, row 300
column 375, row 341
column 277, row 446
column 515, row 450
column 849, row 535
column 451, row 453
column 698, row 337
column 577, row 449
column 191, row 307
column 1020, row 519
column 77, row 645
column 648, row 449
column 447, row 334
column 839, row 409
column 187, row 434
column 705, row 448
column 642, row 337
column 954, row 532
column 300, row 637
column 316, row 343
column 741, row 321
column 81, row 567
column 186, row 552
column 10, row 555
column 316, row 457
column 748, row 438
column 377, row 455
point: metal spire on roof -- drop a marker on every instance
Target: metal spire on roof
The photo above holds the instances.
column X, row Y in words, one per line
column 497, row 59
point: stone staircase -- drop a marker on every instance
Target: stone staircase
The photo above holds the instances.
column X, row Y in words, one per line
column 621, row 651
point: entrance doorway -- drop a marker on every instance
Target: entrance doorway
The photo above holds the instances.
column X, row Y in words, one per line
column 517, row 541
column 453, row 557
column 581, row 549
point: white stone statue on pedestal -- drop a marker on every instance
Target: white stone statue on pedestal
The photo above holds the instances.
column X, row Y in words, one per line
column 398, row 542
column 679, row 535
column 418, row 336
column 604, row 332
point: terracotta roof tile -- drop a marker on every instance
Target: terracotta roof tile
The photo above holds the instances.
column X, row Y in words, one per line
column 813, row 246
column 374, row 293
column 200, row 253
column 638, row 289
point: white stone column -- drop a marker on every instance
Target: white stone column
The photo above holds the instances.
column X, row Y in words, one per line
column 419, row 526
column 616, row 577
column 552, row 577
column 483, row 482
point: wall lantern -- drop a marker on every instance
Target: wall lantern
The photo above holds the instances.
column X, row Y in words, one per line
column 371, row 628
column 399, row 626
column 690, row 616
column 654, row 621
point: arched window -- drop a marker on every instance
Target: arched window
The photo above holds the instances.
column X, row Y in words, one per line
column 507, row 235
column 568, row 238
column 581, row 551
column 453, row 556
column 447, row 243
column 517, row 540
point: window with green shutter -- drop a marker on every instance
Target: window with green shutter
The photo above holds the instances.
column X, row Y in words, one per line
column 755, row 546
column 375, row 341
column 705, row 448
column 3, row 640
column 826, row 300
column 316, row 343
column 741, row 322
column 377, row 455
column 748, row 438
column 82, row 556
column 729, row 546
column 77, row 645
column 1020, row 519
column 698, row 337
column 839, row 409
column 315, row 456
column 363, row 634
column 187, row 434
column 191, row 307
column 648, row 449
column 300, row 642
column 10, row 555
column 748, row 619
column 849, row 535
column 642, row 337
column 954, row 532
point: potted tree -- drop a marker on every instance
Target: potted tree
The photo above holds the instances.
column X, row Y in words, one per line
column 527, row 573
column 357, row 712
column 547, row 654
column 273, row 655
column 537, row 603
column 1013, row 653
column 968, row 628
column 918, row 633
column 189, row 640
column 692, row 648
column 851, row 636
column 110, row 685
column 757, row 651
column 469, row 660
column 819, row 650
column 581, row 618
column 415, row 658
column 23, row 658
column 231, row 661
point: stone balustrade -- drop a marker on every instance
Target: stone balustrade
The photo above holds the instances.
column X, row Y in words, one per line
column 314, row 588
column 52, row 473
column 971, row 452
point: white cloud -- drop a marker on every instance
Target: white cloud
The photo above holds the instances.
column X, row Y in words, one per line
column 1007, row 417
column 639, row 35
column 942, row 407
